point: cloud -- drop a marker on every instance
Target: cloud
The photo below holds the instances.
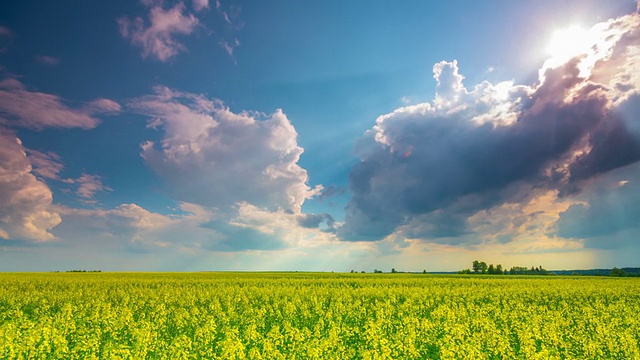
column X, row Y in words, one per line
column 427, row 169
column 213, row 157
column 89, row 185
column 128, row 226
column 159, row 34
column 281, row 229
column 49, row 165
column 314, row 221
column 199, row 5
column 6, row 35
column 103, row 106
column 331, row 191
column 609, row 205
column 47, row 60
column 230, row 47
column 230, row 14
column 37, row 110
column 157, row 38
column 46, row 165
column 194, row 229
column 5, row 32
column 25, row 201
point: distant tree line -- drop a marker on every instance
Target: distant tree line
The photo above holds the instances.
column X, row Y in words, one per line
column 625, row 272
column 480, row 267
column 616, row 272
column 393, row 271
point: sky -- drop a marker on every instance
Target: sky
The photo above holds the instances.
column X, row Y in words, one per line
column 192, row 135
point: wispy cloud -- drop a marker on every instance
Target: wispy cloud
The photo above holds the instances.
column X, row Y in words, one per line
column 5, row 31
column 159, row 33
column 47, row 165
column 38, row 110
column 199, row 5
column 230, row 14
column 6, row 35
column 103, row 106
column 89, row 185
column 229, row 47
column 158, row 36
column 47, row 60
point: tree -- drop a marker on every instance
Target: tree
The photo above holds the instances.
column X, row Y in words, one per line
column 424, row 271
column 618, row 272
column 499, row 269
column 492, row 270
column 393, row 270
column 476, row 266
column 483, row 267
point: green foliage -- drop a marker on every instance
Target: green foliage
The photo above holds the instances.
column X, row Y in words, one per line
column 520, row 270
column 481, row 267
column 316, row 316
column 618, row 272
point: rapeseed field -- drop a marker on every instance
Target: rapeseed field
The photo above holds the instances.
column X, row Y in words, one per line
column 316, row 316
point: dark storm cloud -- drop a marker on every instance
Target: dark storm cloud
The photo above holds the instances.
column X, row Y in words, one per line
column 330, row 191
column 312, row 221
column 613, row 146
column 428, row 167
column 612, row 207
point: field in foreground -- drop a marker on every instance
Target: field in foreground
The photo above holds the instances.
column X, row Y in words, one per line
column 316, row 316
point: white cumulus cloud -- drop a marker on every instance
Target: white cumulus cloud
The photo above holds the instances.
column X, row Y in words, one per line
column 214, row 157
column 25, row 201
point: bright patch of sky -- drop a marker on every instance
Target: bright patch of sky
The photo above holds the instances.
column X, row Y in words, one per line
column 318, row 135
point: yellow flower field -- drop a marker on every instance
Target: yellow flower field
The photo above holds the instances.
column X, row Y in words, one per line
column 316, row 316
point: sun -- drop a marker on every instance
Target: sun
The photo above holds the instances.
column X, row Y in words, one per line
column 589, row 44
column 568, row 43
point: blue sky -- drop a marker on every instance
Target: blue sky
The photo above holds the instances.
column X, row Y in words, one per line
column 320, row 135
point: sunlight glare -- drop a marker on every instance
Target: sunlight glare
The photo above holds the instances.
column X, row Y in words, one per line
column 568, row 43
column 591, row 45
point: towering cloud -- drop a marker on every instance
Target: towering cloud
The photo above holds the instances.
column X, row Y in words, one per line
column 214, row 157
column 25, row 201
column 26, row 211
column 426, row 169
